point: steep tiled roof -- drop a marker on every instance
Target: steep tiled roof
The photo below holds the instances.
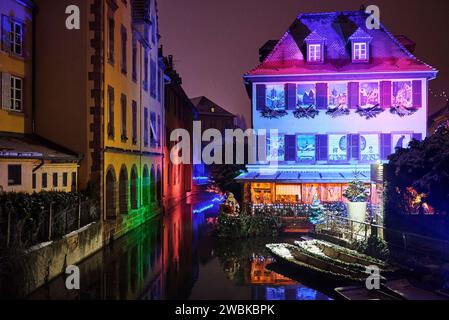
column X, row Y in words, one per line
column 204, row 105
column 287, row 57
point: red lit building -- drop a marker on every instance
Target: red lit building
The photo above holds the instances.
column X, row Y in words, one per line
column 179, row 113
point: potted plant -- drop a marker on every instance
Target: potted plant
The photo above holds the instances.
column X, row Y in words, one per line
column 357, row 194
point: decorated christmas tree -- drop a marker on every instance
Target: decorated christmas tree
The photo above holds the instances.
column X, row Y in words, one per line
column 316, row 211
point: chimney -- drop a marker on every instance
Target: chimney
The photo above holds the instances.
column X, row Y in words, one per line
column 170, row 61
column 266, row 49
column 409, row 44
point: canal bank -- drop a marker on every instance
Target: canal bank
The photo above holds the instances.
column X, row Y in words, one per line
column 178, row 257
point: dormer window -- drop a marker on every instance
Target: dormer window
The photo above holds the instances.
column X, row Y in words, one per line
column 315, row 52
column 360, row 51
column 360, row 46
column 315, row 48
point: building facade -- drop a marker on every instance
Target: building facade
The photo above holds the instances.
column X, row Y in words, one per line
column 342, row 98
column 103, row 86
column 28, row 163
column 211, row 116
column 179, row 114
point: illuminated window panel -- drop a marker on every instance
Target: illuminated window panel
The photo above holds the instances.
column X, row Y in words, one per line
column 369, row 94
column 331, row 192
column 402, row 94
column 261, row 193
column 400, row 140
column 288, row 193
column 275, row 97
column 310, row 192
column 369, row 147
column 305, row 95
column 305, row 148
column 338, row 147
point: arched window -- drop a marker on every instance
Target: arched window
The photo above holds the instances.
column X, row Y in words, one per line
column 123, row 190
column 111, row 194
column 145, row 186
column 152, row 185
column 159, row 184
column 134, row 181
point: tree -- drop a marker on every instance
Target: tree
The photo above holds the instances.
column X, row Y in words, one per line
column 422, row 170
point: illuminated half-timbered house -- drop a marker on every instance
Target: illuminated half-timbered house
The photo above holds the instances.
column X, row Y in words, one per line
column 342, row 98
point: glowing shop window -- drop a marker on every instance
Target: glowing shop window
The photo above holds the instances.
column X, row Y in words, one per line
column 369, row 147
column 338, row 144
column 310, row 192
column 288, row 193
column 275, row 148
column 261, row 193
column 369, row 94
column 338, row 95
column 402, row 94
column 305, row 148
column 305, row 95
column 275, row 96
column 400, row 140
column 331, row 192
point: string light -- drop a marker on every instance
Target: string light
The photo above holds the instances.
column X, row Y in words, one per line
column 441, row 94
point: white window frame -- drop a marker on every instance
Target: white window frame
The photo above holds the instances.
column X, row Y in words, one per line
column 315, row 52
column 360, row 51
column 13, row 40
column 14, row 91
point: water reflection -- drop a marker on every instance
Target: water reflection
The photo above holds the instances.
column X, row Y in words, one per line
column 177, row 257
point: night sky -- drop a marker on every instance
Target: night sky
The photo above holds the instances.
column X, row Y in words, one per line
column 214, row 42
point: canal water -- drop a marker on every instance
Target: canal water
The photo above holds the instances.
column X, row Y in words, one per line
column 178, row 257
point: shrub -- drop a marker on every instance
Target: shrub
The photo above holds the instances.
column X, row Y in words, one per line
column 374, row 247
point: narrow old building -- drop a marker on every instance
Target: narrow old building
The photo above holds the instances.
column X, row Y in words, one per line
column 179, row 114
column 102, row 84
column 28, row 162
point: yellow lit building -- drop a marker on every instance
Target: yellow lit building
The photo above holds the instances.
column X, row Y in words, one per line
column 99, row 92
column 28, row 163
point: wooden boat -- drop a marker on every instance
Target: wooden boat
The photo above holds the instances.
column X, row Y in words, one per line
column 296, row 259
column 362, row 293
column 404, row 290
column 340, row 254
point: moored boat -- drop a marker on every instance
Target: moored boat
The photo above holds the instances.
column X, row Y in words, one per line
column 296, row 259
column 340, row 255
column 404, row 290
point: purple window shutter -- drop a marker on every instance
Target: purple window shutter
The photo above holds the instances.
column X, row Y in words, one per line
column 417, row 94
column 385, row 146
column 321, row 96
column 417, row 136
column 353, row 145
column 290, row 89
column 385, row 94
column 260, row 96
column 353, row 88
column 290, row 147
column 321, row 147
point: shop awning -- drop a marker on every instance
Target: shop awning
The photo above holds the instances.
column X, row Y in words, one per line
column 319, row 176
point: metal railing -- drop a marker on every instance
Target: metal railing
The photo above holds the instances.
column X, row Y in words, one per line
column 350, row 230
column 50, row 224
